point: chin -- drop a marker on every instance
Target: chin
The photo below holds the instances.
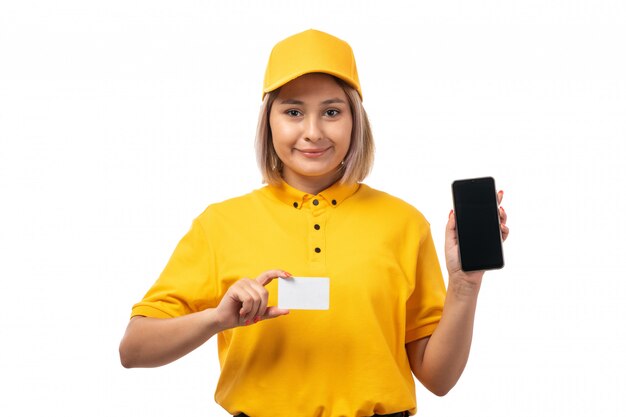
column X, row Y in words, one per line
column 316, row 172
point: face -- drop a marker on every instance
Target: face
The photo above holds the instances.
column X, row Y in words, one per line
column 311, row 124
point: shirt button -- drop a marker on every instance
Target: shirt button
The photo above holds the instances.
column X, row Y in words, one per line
column 315, row 202
column 317, row 250
column 295, row 204
column 317, row 227
column 334, row 202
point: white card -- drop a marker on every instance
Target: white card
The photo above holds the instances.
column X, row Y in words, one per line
column 300, row 293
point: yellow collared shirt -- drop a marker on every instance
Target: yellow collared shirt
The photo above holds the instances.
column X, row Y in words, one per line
column 386, row 289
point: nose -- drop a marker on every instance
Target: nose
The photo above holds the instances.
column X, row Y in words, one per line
column 313, row 130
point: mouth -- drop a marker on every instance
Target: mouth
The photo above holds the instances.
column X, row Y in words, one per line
column 313, row 153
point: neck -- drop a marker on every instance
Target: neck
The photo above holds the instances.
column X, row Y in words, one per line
column 312, row 185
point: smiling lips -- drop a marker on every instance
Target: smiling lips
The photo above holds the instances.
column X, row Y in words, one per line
column 312, row 153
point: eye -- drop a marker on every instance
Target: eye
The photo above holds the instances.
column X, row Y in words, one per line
column 293, row 113
column 332, row 112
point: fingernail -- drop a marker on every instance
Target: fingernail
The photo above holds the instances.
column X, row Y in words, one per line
column 450, row 215
column 287, row 274
column 256, row 319
column 247, row 322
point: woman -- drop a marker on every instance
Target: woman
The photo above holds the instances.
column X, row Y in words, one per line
column 389, row 316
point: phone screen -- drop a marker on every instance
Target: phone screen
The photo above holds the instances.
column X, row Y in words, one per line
column 477, row 224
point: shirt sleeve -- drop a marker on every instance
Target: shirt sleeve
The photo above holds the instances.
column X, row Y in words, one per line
column 425, row 305
column 186, row 284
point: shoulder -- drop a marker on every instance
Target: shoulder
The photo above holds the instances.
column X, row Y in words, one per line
column 235, row 207
column 393, row 207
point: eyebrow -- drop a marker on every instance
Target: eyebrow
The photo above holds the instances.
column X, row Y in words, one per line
column 300, row 103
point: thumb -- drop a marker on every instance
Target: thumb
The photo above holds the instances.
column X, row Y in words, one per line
column 451, row 229
column 273, row 312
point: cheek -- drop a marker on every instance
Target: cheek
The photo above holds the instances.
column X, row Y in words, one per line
column 280, row 140
column 282, row 143
column 282, row 133
column 344, row 134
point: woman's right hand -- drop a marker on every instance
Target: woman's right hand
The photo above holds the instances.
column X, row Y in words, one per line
column 150, row 342
column 245, row 302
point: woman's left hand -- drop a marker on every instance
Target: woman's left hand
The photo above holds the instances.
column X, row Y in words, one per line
column 453, row 263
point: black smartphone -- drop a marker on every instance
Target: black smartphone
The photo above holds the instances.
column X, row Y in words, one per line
column 478, row 224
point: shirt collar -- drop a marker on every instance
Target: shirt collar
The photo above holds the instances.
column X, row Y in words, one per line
column 334, row 195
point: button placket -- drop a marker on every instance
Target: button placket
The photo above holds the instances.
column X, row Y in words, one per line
column 319, row 211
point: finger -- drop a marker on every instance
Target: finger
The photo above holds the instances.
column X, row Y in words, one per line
column 254, row 305
column 499, row 196
column 503, row 215
column 505, row 231
column 267, row 276
column 247, row 299
column 451, row 228
column 273, row 312
column 263, row 297
column 451, row 221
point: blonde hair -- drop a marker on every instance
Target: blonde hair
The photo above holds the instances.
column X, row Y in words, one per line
column 355, row 166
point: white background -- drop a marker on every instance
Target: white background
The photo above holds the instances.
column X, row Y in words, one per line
column 121, row 120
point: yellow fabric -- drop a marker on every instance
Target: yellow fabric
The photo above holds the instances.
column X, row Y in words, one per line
column 386, row 289
column 307, row 52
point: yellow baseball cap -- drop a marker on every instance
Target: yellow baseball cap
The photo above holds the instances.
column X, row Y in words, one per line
column 307, row 52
